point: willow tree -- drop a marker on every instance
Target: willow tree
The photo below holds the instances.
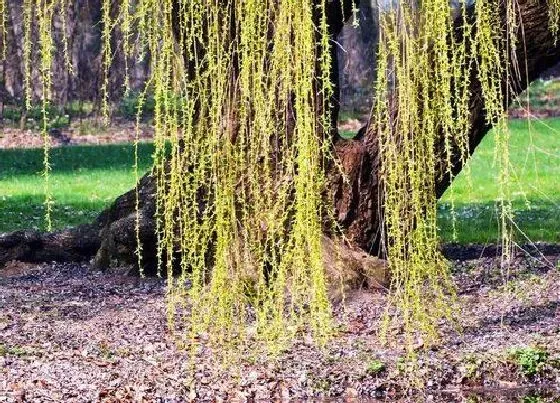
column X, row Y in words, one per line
column 253, row 193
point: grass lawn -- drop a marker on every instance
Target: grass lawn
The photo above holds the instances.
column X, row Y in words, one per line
column 534, row 188
column 85, row 179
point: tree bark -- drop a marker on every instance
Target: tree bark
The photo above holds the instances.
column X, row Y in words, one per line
column 83, row 36
column 354, row 191
column 358, row 201
column 357, row 59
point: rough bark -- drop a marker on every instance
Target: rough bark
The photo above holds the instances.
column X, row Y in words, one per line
column 358, row 201
column 355, row 192
column 357, row 59
column 111, row 238
column 34, row 246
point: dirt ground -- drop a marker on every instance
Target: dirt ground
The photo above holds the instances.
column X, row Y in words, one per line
column 93, row 131
column 71, row 334
column 89, row 131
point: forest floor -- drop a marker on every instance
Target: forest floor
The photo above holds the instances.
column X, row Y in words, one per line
column 68, row 333
column 88, row 131
column 71, row 334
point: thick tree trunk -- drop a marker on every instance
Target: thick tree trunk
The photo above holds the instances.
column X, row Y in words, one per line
column 358, row 201
column 354, row 192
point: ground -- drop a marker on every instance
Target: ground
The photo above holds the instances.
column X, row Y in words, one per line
column 71, row 334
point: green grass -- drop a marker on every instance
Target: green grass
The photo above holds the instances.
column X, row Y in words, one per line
column 85, row 179
column 534, row 188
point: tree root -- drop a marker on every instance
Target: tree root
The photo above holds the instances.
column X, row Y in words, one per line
column 111, row 241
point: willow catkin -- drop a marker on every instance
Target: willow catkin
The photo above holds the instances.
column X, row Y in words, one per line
column 106, row 56
column 3, row 29
column 239, row 178
column 28, row 23
column 45, row 11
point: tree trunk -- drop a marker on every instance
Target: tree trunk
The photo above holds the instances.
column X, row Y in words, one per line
column 358, row 201
column 83, row 36
column 357, row 56
column 111, row 239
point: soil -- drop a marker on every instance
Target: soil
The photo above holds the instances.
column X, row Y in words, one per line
column 88, row 131
column 68, row 333
column 93, row 131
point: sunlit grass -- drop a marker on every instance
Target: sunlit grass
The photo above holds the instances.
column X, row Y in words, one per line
column 86, row 179
column 534, row 187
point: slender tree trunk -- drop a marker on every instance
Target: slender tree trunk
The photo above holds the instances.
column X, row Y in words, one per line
column 358, row 201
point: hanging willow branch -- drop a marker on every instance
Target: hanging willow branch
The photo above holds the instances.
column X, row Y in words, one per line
column 240, row 151
column 242, row 123
column 427, row 56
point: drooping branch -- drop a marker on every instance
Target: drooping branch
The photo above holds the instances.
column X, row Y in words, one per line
column 537, row 51
column 354, row 193
column 358, row 200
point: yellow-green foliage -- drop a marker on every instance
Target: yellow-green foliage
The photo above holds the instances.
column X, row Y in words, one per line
column 3, row 27
column 241, row 145
column 28, row 24
column 423, row 92
column 240, row 131
column 106, row 29
column 413, row 109
column 41, row 13
column 240, row 192
column 554, row 16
